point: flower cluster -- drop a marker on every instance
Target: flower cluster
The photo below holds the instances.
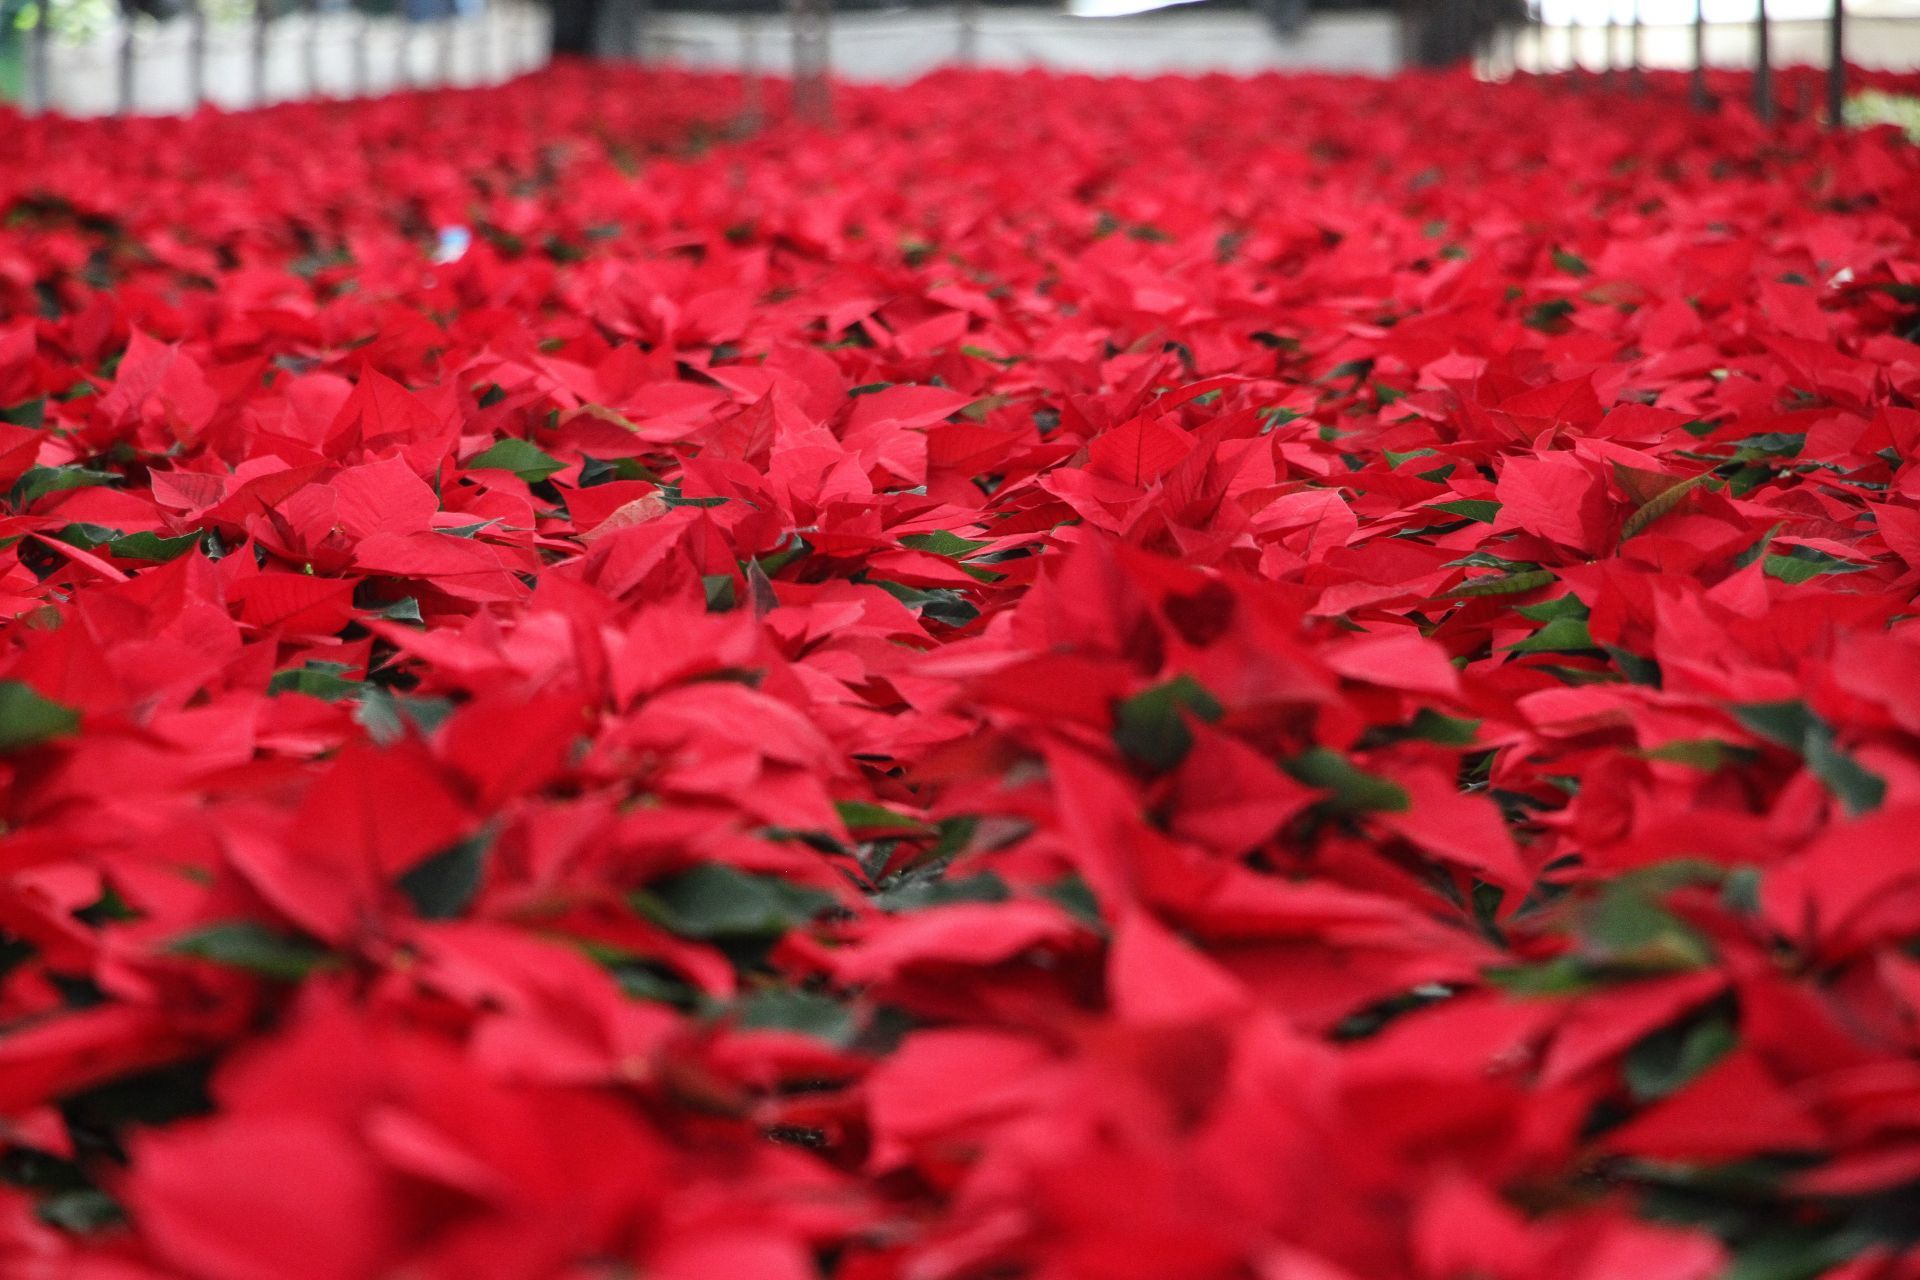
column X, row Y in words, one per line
column 1272, row 679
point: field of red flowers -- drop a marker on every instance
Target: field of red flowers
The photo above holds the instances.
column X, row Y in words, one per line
column 1278, row 679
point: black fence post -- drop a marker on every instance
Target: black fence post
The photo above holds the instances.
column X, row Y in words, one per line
column 1636, row 51
column 260, row 20
column 1837, row 66
column 1762, row 64
column 196, row 52
column 811, row 96
column 497, row 68
column 1699, row 78
column 310, row 50
column 362, row 60
column 752, row 105
column 443, row 49
column 967, row 44
column 123, row 96
column 37, row 95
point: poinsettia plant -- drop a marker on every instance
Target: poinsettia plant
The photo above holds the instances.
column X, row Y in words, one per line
column 1298, row 678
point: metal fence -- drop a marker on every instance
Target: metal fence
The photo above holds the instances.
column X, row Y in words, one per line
column 1616, row 51
column 91, row 57
column 139, row 57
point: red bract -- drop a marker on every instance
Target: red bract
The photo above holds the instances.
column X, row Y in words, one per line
column 1307, row 679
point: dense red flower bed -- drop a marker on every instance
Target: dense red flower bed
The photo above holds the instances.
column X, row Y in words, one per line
column 1289, row 679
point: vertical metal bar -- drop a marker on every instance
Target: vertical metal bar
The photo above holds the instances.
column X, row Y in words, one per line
column 967, row 44
column 123, row 98
column 811, row 98
column 1636, row 50
column 1699, row 78
column 196, row 52
column 310, row 50
column 39, row 95
column 752, row 103
column 1611, row 32
column 443, row 50
column 1762, row 64
column 496, row 58
column 1837, row 66
column 260, row 20
column 362, row 60
column 403, row 73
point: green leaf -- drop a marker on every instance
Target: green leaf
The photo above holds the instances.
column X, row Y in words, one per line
column 1395, row 459
column 1627, row 927
column 1668, row 1060
column 1075, row 897
column 32, row 413
column 720, row 593
column 804, row 1012
column 642, row 981
column 774, row 562
column 85, row 536
column 528, row 461
column 250, row 945
column 1150, row 728
column 443, row 886
column 322, row 680
column 942, row 543
column 1571, row 263
column 1487, row 560
column 405, row 609
column 386, row 715
column 1740, row 891
column 1797, row 727
column 1802, row 564
column 1353, row 789
column 1452, row 731
column 939, row 891
column 1482, row 509
column 27, row 719
column 1510, row 585
column 1637, row 669
column 1663, row 502
column 152, row 546
column 713, row 901
column 941, row 604
column 1558, row 607
column 1770, row 444
column 1562, row 975
column 1543, row 316
column 41, row 481
column 1709, row 754
column 862, row 816
column 81, row 1211
column 1561, row 635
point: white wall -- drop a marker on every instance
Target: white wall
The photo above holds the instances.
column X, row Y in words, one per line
column 900, row 46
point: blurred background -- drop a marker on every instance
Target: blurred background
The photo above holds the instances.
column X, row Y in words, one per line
column 90, row 57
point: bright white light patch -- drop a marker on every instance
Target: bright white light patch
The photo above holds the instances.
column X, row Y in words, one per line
column 453, row 245
column 1117, row 8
